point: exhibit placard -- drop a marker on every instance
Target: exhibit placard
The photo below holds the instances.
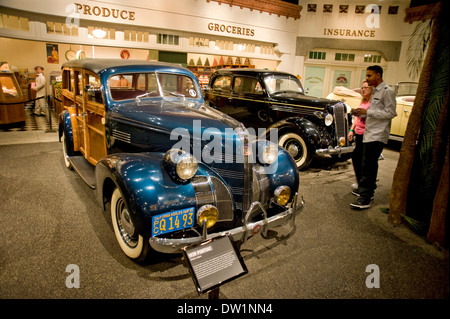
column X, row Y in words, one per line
column 213, row 263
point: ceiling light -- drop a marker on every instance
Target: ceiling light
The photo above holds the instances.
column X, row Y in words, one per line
column 99, row 33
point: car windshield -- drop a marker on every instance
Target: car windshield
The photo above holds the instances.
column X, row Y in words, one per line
column 147, row 85
column 283, row 84
column 407, row 88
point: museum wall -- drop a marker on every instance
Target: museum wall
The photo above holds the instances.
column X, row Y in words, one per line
column 208, row 30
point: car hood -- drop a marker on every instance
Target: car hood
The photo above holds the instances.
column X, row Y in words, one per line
column 301, row 99
column 168, row 115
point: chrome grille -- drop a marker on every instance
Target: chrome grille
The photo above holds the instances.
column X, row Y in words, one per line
column 233, row 167
column 121, row 136
column 212, row 191
column 340, row 121
column 223, row 199
column 225, row 173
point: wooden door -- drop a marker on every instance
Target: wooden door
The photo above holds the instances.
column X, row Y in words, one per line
column 93, row 118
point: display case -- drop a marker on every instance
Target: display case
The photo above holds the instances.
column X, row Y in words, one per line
column 12, row 108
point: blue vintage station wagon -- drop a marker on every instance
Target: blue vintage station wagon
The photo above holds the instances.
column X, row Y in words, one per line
column 171, row 170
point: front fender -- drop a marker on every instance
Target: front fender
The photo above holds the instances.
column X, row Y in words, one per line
column 281, row 172
column 146, row 186
column 65, row 125
column 300, row 125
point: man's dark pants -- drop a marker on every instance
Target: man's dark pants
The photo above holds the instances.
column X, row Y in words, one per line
column 369, row 169
column 357, row 156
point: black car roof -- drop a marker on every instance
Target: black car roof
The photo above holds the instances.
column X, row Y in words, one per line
column 96, row 65
column 249, row 71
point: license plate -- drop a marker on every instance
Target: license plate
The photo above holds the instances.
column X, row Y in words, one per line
column 172, row 221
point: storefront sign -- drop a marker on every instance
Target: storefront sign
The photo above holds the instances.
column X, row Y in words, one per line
column 104, row 12
column 231, row 29
column 342, row 78
column 349, row 33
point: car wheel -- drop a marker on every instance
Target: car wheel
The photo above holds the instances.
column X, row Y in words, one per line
column 296, row 146
column 132, row 244
column 66, row 152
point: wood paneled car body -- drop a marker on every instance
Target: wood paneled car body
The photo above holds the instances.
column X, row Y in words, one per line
column 172, row 168
column 305, row 125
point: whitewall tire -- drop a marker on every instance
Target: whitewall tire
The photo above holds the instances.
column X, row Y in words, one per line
column 132, row 244
column 296, row 146
column 66, row 152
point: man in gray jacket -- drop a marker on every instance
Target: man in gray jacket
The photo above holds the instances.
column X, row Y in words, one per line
column 378, row 125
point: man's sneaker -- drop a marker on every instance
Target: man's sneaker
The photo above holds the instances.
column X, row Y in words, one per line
column 361, row 203
column 355, row 192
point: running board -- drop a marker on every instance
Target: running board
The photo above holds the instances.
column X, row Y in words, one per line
column 84, row 169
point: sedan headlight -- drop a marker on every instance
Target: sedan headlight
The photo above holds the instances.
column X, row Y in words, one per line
column 269, row 153
column 328, row 119
column 184, row 164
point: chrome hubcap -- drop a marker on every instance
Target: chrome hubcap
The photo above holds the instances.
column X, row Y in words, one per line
column 126, row 227
column 293, row 150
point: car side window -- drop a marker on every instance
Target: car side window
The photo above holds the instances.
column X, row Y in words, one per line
column 93, row 88
column 121, row 81
column 222, row 82
column 247, row 85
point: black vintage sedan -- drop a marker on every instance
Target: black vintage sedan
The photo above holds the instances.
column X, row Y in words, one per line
column 305, row 125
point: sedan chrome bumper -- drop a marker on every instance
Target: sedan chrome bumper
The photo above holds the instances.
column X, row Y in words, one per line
column 242, row 233
column 335, row 150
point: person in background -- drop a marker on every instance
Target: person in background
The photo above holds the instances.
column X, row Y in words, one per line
column 41, row 93
column 122, row 81
column 357, row 131
column 376, row 134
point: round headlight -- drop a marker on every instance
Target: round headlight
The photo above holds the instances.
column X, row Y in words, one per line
column 342, row 141
column 328, row 119
column 187, row 166
column 270, row 153
column 184, row 163
column 282, row 195
column 207, row 214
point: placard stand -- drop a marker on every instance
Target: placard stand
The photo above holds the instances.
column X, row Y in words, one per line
column 212, row 263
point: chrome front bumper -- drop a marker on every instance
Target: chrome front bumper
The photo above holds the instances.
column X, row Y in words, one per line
column 335, row 150
column 241, row 233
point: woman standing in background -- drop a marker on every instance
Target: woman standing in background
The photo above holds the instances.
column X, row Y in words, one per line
column 357, row 131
